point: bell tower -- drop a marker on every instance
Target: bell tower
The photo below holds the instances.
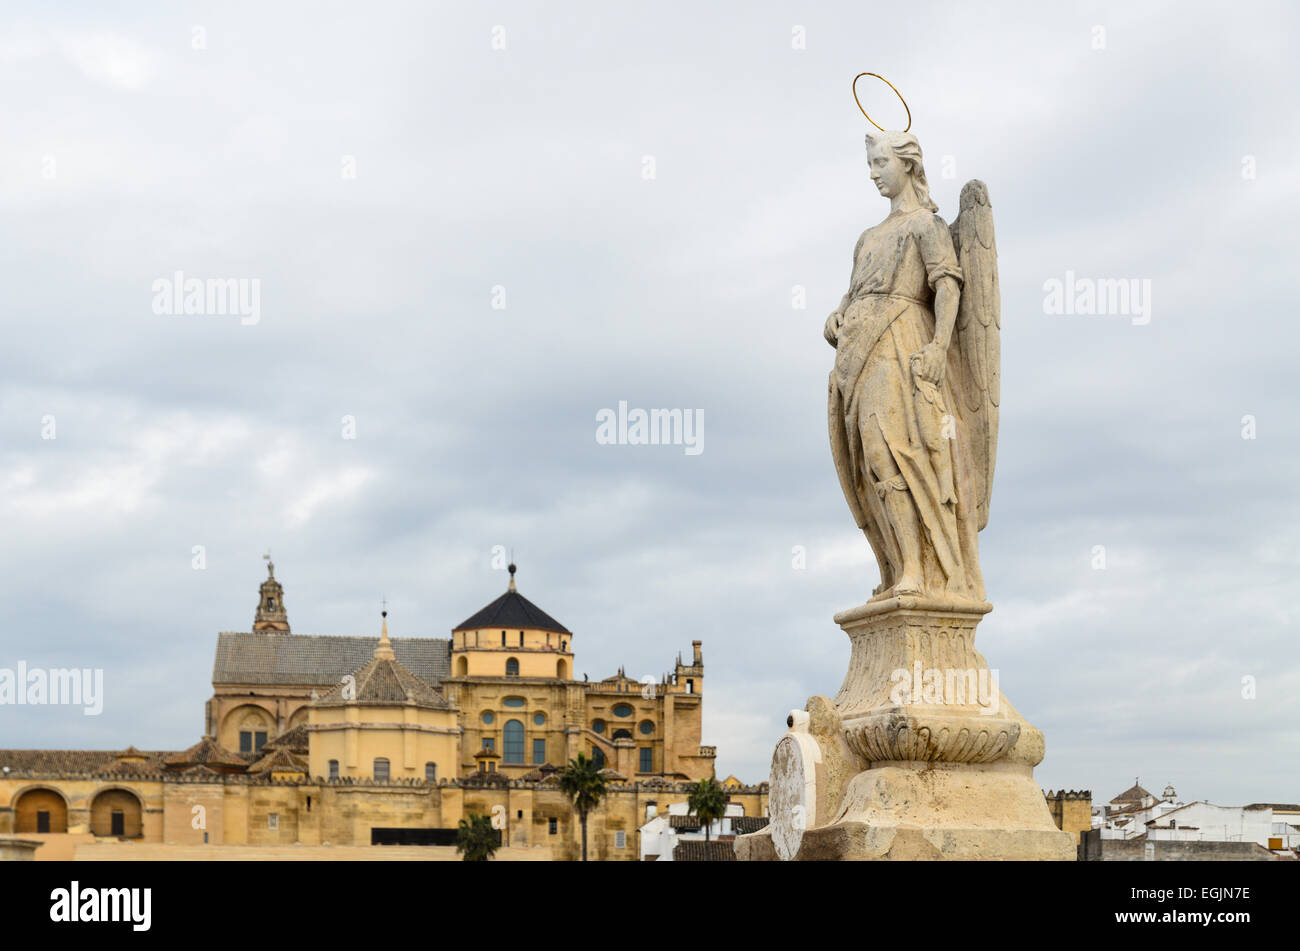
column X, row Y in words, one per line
column 271, row 615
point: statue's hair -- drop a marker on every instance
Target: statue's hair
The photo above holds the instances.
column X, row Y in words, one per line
column 908, row 149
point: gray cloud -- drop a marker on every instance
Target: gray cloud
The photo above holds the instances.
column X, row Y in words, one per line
column 523, row 168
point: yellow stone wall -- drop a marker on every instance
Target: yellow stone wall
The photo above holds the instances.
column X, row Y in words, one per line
column 239, row 811
column 407, row 736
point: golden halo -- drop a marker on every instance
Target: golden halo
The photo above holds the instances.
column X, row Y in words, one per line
column 896, row 93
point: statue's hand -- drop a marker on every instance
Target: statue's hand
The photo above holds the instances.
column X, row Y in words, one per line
column 832, row 331
column 928, row 363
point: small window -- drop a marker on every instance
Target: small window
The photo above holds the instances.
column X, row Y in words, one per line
column 512, row 667
column 539, row 751
column 620, row 839
column 513, row 702
column 489, row 743
column 647, row 727
column 270, row 604
column 690, row 686
column 273, row 820
column 430, row 772
column 503, row 638
column 309, row 803
column 488, row 718
column 492, row 767
column 598, row 757
column 381, row 769
column 539, row 719
column 259, row 741
column 245, row 741
column 521, row 638
column 334, row 769
column 622, row 710
column 42, row 821
column 622, row 734
column 598, row 726
column 552, row 826
column 117, row 823
column 647, row 759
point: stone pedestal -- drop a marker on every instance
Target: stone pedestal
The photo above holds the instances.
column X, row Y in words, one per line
column 919, row 755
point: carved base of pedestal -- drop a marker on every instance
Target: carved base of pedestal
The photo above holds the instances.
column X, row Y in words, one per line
column 919, row 811
column 919, row 756
column 925, row 812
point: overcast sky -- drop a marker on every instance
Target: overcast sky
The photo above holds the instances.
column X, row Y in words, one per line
column 388, row 173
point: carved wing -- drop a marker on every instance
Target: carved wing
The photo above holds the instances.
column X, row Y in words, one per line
column 979, row 333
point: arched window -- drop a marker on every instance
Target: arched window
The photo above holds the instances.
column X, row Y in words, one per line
column 513, row 742
column 430, row 772
column 381, row 769
column 512, row 667
column 622, row 734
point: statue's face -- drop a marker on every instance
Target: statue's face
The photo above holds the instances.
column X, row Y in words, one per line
column 888, row 171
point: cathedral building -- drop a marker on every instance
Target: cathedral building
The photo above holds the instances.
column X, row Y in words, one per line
column 358, row 740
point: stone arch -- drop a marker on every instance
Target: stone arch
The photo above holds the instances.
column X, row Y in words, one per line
column 116, row 812
column 40, row 809
column 250, row 718
column 562, row 669
column 297, row 718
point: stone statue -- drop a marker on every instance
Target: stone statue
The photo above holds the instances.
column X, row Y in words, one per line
column 914, row 393
column 919, row 755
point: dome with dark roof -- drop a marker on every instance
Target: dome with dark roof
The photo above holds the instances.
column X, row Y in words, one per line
column 512, row 610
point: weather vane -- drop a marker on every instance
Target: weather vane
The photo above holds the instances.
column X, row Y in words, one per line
column 896, row 93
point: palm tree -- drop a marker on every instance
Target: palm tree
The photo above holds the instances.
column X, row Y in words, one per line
column 708, row 802
column 583, row 783
column 476, row 838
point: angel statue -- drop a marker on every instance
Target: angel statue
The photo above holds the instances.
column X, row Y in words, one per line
column 914, row 392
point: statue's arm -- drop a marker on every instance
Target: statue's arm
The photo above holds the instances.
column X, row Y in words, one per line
column 833, row 323
column 947, row 295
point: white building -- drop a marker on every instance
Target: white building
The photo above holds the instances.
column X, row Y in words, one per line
column 1137, row 814
column 663, row 831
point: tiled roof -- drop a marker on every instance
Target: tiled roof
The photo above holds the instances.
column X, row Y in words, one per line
column 60, row 761
column 204, row 752
column 279, row 761
column 295, row 740
column 385, row 682
column 318, row 660
column 694, row 851
column 744, row 825
column 1134, row 793
column 512, row 610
